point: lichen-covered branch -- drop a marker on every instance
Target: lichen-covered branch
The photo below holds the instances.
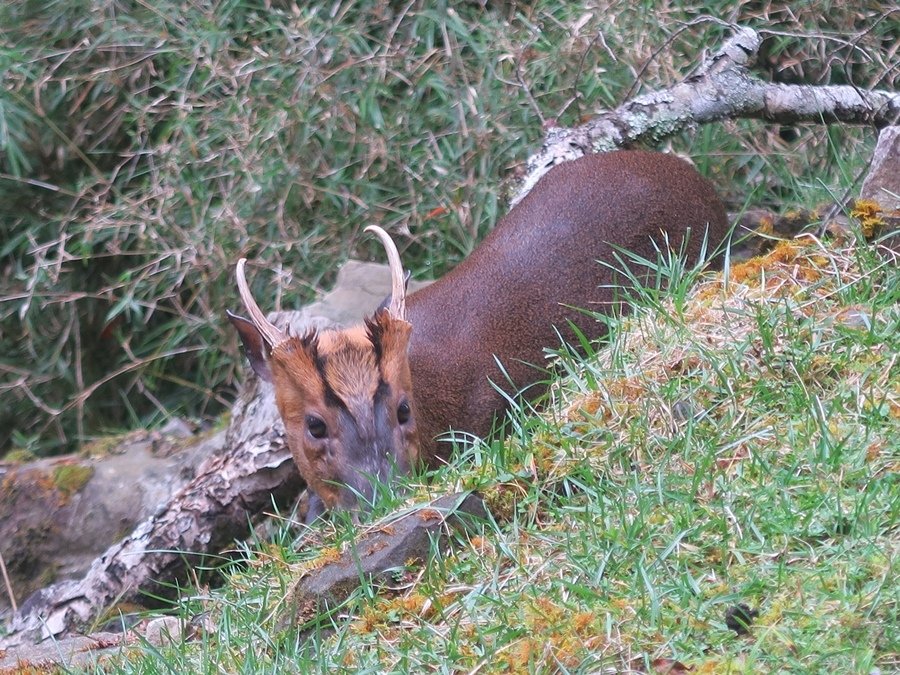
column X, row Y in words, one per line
column 253, row 474
column 722, row 88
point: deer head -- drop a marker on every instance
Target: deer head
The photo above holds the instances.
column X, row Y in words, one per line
column 345, row 396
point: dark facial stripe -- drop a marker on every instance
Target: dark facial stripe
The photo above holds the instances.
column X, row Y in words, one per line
column 375, row 333
column 382, row 391
column 332, row 400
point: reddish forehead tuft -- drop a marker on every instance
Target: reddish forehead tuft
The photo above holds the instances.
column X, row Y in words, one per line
column 350, row 366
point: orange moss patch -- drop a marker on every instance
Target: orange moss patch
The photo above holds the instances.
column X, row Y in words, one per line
column 868, row 213
column 709, row 290
column 387, row 612
column 599, row 406
column 786, row 252
column 766, row 225
column 375, row 548
column 589, row 405
column 748, row 270
column 328, row 556
column 369, row 620
column 430, row 515
column 874, row 451
column 626, row 387
column 415, row 604
column 553, row 633
column 791, row 262
column 544, row 456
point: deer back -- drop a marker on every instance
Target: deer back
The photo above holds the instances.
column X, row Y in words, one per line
column 528, row 279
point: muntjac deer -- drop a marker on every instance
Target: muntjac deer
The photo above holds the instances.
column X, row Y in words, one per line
column 362, row 404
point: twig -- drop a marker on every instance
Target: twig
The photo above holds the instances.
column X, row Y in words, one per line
column 9, row 590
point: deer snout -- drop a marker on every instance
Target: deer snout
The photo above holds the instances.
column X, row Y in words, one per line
column 370, row 471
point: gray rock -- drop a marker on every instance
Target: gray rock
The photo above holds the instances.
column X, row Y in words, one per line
column 882, row 184
column 358, row 291
column 50, row 656
column 382, row 548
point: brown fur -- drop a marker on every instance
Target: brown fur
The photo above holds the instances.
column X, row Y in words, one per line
column 334, row 376
column 503, row 303
column 539, row 262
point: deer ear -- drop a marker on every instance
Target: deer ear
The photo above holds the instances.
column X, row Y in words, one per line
column 390, row 339
column 255, row 346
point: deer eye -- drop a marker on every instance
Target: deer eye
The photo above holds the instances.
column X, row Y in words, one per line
column 316, row 426
column 403, row 412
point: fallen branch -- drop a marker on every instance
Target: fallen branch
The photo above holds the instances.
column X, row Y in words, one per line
column 251, row 475
column 231, row 489
column 722, row 88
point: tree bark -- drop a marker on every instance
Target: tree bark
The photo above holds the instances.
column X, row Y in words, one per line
column 253, row 474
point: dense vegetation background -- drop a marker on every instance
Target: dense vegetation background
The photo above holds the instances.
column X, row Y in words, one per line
column 145, row 146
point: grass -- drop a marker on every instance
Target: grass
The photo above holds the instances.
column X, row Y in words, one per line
column 144, row 147
column 733, row 444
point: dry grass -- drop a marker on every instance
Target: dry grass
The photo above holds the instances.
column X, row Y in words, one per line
column 804, row 282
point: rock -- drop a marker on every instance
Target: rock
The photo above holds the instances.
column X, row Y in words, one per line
column 358, row 291
column 882, row 184
column 165, row 630
column 52, row 655
column 385, row 546
column 882, row 187
column 58, row 514
column 85, row 651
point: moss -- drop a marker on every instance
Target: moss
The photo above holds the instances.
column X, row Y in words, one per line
column 808, row 265
column 868, row 213
column 70, row 478
column 412, row 605
column 555, row 631
column 19, row 456
column 501, row 500
column 328, row 555
column 103, row 447
column 48, row 575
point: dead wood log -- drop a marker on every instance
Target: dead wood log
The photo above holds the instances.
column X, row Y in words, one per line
column 57, row 515
column 250, row 475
